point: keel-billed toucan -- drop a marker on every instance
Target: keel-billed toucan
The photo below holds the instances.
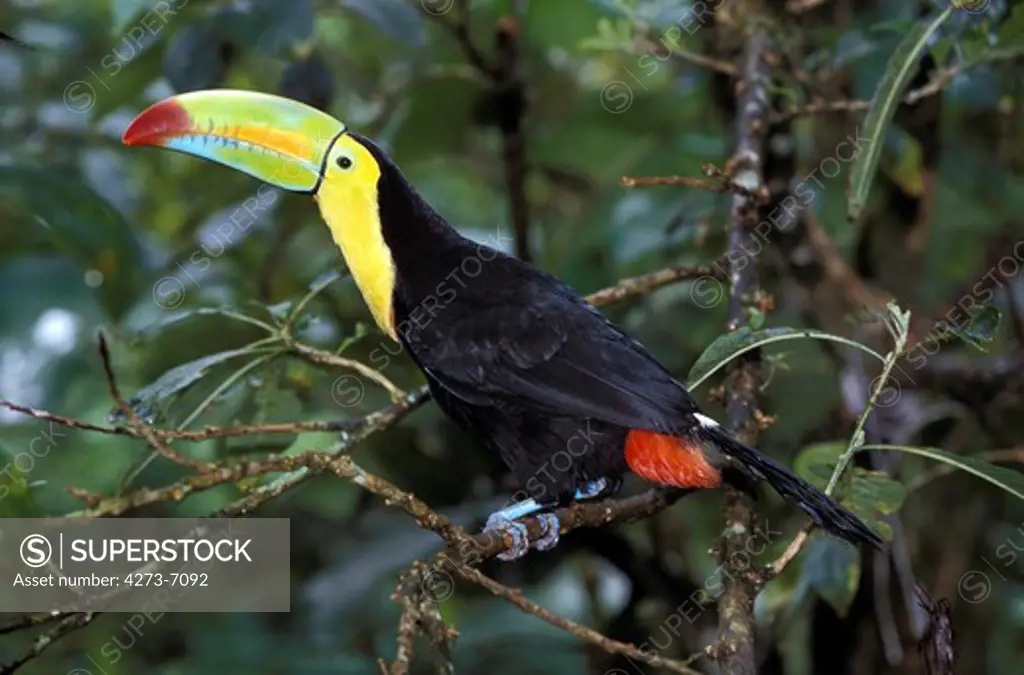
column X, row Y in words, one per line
column 509, row 352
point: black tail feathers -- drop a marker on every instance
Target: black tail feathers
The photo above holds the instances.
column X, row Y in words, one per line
column 825, row 510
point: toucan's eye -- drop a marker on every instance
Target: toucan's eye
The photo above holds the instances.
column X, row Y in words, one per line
column 344, row 162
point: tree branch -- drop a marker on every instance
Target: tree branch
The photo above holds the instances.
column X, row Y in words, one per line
column 736, row 616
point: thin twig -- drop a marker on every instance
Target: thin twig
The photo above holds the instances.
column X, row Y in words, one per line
column 137, row 422
column 508, row 94
column 67, row 625
column 28, row 621
column 645, row 283
column 792, row 551
column 609, row 645
column 69, row 421
column 649, row 46
column 418, row 593
column 377, row 421
column 220, row 475
column 460, row 28
column 942, row 77
column 722, row 182
column 407, row 625
column 204, row 434
column 899, row 321
column 682, row 181
column 320, row 357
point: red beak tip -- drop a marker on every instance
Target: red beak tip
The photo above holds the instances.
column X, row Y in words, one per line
column 131, row 135
column 157, row 123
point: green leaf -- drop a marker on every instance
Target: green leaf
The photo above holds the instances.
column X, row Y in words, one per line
column 887, row 97
column 876, row 490
column 872, row 495
column 868, row 494
column 1002, row 477
column 816, row 462
column 728, row 346
column 757, row 318
column 176, row 380
column 832, row 568
column 80, row 223
column 980, row 331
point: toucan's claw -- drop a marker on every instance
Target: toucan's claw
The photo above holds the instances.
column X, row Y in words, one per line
column 551, row 526
column 501, row 525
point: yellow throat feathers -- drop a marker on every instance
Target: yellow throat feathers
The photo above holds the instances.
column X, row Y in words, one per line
column 348, row 204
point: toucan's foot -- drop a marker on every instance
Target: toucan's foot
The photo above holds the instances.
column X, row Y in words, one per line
column 551, row 527
column 504, row 521
column 591, row 489
column 501, row 524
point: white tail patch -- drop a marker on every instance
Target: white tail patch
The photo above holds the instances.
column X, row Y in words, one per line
column 705, row 421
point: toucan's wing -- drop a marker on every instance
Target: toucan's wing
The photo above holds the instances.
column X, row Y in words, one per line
column 538, row 345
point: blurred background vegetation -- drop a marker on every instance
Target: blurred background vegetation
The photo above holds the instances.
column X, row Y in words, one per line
column 94, row 235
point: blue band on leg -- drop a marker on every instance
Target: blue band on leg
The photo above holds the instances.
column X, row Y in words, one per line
column 520, row 509
column 530, row 506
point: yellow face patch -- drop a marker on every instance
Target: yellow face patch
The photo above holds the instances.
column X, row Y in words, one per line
column 347, row 198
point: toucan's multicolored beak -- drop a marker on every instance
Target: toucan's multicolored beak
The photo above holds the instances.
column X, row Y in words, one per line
column 280, row 141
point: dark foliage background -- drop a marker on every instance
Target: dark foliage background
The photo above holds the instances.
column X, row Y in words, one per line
column 95, row 235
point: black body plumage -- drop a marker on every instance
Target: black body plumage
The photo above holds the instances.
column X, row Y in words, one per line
column 537, row 373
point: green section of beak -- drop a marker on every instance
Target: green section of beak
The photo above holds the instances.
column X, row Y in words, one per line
column 280, row 141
